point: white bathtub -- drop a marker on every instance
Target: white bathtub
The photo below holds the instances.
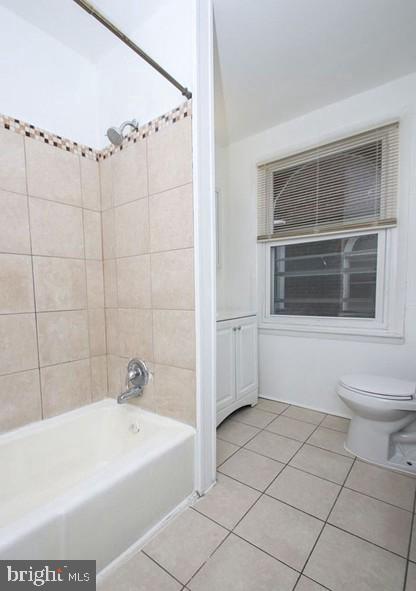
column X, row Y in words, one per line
column 90, row 483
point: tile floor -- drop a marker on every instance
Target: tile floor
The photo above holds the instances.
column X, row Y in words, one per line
column 291, row 510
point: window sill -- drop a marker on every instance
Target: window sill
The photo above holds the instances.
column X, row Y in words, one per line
column 381, row 335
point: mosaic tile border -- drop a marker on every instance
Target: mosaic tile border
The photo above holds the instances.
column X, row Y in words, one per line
column 28, row 130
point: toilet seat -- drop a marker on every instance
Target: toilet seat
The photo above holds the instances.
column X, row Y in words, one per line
column 381, row 387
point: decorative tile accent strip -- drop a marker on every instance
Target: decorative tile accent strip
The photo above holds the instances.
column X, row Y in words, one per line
column 23, row 128
column 28, row 130
column 184, row 110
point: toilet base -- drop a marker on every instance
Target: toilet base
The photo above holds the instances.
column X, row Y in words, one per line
column 374, row 442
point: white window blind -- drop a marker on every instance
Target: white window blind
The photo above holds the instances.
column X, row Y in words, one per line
column 344, row 185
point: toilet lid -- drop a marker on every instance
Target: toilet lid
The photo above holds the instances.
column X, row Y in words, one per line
column 382, row 386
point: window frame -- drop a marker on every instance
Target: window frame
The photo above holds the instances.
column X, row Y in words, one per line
column 386, row 322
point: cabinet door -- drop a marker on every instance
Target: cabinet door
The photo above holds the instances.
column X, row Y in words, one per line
column 246, row 357
column 225, row 366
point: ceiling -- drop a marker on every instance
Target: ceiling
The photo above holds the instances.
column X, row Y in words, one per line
column 278, row 59
column 70, row 25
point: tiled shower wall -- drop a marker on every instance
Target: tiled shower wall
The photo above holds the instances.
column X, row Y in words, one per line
column 149, row 267
column 52, row 331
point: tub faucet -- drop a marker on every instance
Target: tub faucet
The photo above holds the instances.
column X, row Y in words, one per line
column 137, row 378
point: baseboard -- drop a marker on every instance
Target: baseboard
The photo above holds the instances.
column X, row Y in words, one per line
column 308, row 406
column 141, row 542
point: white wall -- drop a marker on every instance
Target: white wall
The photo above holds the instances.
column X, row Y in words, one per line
column 129, row 87
column 45, row 82
column 74, row 94
column 304, row 369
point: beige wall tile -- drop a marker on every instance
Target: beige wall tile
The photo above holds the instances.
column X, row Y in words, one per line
column 92, row 235
column 171, row 219
column 65, row 386
column 59, row 284
column 106, row 183
column 18, row 350
column 16, row 284
column 175, row 393
column 98, row 377
column 62, row 336
column 90, row 184
column 53, row 173
column 132, row 228
column 95, row 284
column 112, row 329
column 12, row 162
column 14, row 223
column 133, row 282
column 20, row 400
column 56, row 229
column 117, row 371
column 110, row 283
column 173, row 280
column 109, row 234
column 135, row 333
column 130, row 173
column 170, row 157
column 174, row 338
column 96, row 326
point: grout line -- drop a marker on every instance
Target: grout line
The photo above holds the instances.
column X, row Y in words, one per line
column 159, row 565
column 410, row 544
column 33, row 286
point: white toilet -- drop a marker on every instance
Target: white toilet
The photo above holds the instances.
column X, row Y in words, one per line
column 383, row 426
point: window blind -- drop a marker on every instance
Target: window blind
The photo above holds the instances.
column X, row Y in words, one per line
column 343, row 185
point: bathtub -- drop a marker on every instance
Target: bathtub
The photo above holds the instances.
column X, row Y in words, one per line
column 92, row 482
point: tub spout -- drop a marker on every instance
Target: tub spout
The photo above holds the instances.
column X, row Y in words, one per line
column 137, row 378
column 133, row 392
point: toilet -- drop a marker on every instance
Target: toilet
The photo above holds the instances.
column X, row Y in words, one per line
column 383, row 426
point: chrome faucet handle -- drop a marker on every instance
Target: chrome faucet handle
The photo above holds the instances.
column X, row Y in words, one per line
column 137, row 373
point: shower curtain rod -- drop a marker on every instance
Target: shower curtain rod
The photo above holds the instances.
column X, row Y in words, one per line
column 113, row 29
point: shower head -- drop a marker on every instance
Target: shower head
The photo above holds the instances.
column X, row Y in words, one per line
column 115, row 134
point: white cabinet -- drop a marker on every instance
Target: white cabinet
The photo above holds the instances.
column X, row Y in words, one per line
column 237, row 383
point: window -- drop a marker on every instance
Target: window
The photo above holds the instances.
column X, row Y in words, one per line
column 324, row 223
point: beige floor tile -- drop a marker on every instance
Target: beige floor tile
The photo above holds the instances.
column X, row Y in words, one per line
column 343, row 562
column 305, row 491
column 238, row 566
column 336, row 423
column 373, row 520
column 320, row 462
column 274, row 446
column 330, row 440
column 291, row 428
column 251, row 468
column 237, row 433
column 185, row 544
column 227, row 501
column 271, row 406
column 224, row 450
column 304, row 414
column 411, row 577
column 253, row 417
column 412, row 555
column 140, row 573
column 280, row 530
column 305, row 584
column 382, row 484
